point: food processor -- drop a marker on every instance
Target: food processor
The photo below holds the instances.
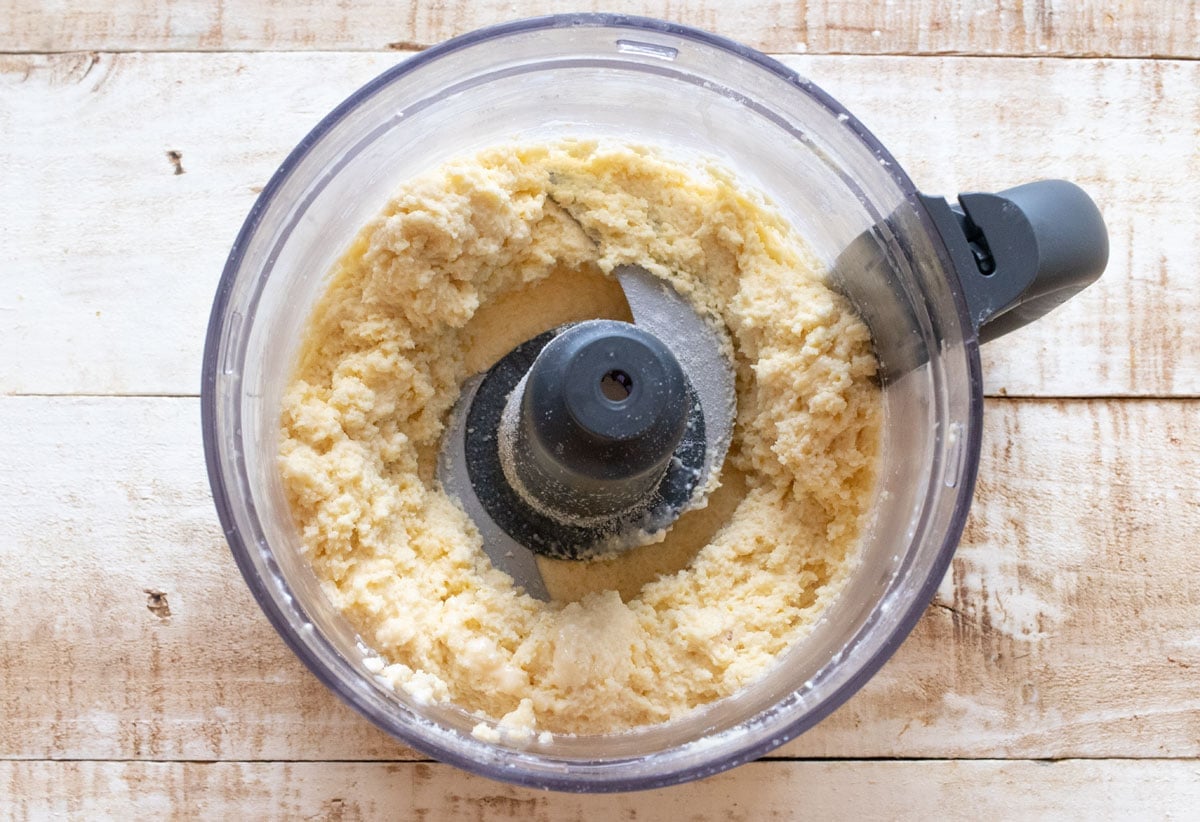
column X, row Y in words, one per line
column 543, row 466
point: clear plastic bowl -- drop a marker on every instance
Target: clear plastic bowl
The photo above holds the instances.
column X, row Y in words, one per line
column 643, row 81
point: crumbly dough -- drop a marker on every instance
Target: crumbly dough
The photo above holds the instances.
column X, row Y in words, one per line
column 389, row 346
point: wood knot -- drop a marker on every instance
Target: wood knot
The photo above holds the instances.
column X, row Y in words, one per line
column 156, row 603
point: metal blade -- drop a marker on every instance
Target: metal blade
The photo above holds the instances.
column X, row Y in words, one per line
column 506, row 554
column 697, row 344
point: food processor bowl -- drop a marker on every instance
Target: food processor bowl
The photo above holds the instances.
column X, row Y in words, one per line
column 897, row 255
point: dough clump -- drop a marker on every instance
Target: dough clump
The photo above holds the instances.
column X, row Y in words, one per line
column 388, row 348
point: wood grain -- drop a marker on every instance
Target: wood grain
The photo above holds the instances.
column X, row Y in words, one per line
column 1079, row 789
column 126, row 630
column 1068, row 623
column 116, row 234
column 1067, row 628
column 122, row 193
column 1133, row 28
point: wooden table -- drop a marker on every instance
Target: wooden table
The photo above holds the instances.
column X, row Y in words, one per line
column 1058, row 669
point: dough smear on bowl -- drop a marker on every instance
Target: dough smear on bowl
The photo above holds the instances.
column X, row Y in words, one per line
column 477, row 256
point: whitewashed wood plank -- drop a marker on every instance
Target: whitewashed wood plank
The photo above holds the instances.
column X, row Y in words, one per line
column 112, row 257
column 1069, row 623
column 126, row 630
column 1129, row 133
column 1137, row 28
column 114, row 246
column 900, row 790
column 1069, row 626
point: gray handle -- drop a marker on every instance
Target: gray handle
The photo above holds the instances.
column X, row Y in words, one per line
column 1022, row 252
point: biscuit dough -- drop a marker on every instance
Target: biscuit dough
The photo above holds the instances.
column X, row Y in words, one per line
column 444, row 281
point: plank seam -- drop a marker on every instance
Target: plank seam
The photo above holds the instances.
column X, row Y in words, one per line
column 907, row 55
column 765, row 759
column 1029, row 398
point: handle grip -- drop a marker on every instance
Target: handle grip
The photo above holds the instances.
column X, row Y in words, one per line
column 1022, row 252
